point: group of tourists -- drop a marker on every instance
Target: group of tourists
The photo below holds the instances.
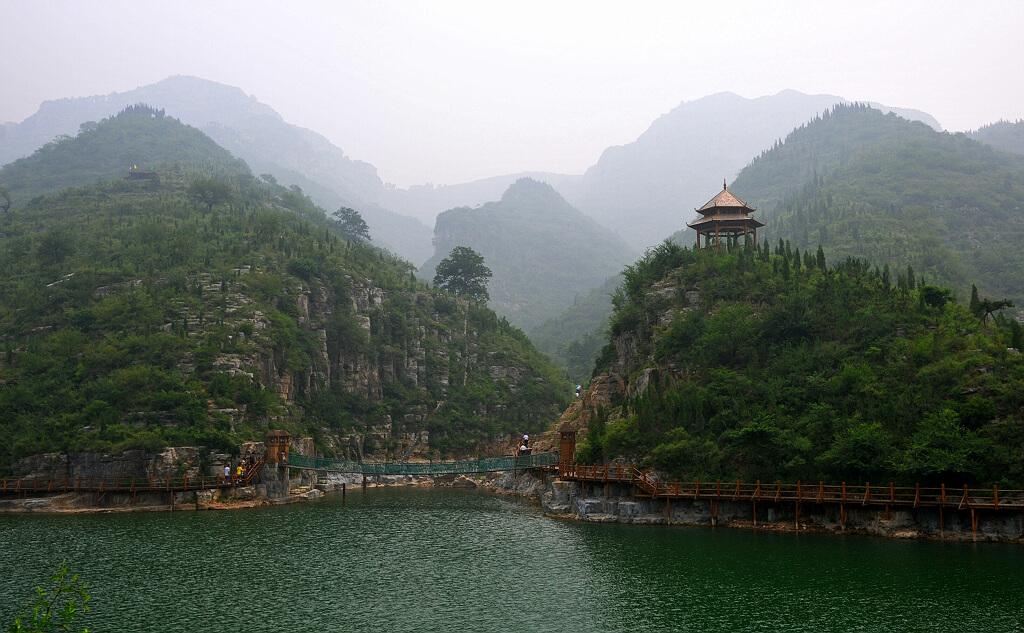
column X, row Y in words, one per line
column 241, row 470
column 524, row 448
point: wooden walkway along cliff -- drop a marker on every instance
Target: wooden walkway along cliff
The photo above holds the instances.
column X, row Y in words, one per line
column 101, row 486
column 645, row 485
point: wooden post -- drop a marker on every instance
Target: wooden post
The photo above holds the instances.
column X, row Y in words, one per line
column 799, row 494
column 995, row 496
column 668, row 509
column 343, row 493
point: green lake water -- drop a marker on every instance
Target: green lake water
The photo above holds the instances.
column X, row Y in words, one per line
column 446, row 560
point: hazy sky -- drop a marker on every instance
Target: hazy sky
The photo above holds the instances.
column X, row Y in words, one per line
column 448, row 92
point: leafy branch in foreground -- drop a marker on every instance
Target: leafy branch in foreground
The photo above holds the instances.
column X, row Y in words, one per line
column 54, row 610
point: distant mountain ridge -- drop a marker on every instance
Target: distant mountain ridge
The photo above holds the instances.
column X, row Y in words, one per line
column 252, row 131
column 645, row 190
column 542, row 251
column 1003, row 135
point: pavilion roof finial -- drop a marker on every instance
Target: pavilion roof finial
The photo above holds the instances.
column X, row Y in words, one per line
column 724, row 187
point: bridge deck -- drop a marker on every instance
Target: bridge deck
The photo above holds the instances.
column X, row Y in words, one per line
column 646, row 486
column 55, row 485
column 494, row 464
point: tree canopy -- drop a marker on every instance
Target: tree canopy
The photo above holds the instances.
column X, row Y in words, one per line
column 353, row 226
column 463, row 273
column 209, row 192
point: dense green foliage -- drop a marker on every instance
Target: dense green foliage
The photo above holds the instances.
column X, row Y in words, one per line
column 543, row 252
column 896, row 193
column 139, row 314
column 786, row 368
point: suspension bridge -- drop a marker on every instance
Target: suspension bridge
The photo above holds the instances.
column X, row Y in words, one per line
column 465, row 467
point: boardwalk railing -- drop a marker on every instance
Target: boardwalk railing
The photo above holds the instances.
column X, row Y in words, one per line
column 494, row 464
column 647, row 485
column 127, row 484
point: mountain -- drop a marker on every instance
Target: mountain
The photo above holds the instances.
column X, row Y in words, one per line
column 1002, row 135
column 425, row 202
column 250, row 130
column 573, row 338
column 644, row 190
column 135, row 140
column 542, row 251
column 139, row 314
column 765, row 366
column 899, row 194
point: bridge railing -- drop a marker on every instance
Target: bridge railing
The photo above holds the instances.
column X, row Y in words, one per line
column 493, row 464
column 647, row 484
column 115, row 484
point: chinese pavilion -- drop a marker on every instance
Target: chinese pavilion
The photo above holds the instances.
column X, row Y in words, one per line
column 727, row 216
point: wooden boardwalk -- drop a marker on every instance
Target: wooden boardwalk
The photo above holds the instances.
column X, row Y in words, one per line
column 100, row 486
column 886, row 496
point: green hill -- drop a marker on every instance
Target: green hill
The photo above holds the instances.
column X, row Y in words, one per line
column 772, row 366
column 138, row 137
column 250, row 130
column 898, row 194
column 544, row 253
column 134, row 314
column 1002, row 135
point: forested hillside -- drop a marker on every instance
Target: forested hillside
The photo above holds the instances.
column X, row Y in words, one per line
column 1002, row 135
column 544, row 253
column 201, row 310
column 898, row 194
column 765, row 364
column 249, row 129
column 137, row 139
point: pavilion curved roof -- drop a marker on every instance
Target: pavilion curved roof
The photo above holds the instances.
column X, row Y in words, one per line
column 725, row 200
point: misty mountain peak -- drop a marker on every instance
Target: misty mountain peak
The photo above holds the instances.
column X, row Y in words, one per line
column 528, row 189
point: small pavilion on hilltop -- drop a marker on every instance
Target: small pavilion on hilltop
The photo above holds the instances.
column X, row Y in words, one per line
column 724, row 215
